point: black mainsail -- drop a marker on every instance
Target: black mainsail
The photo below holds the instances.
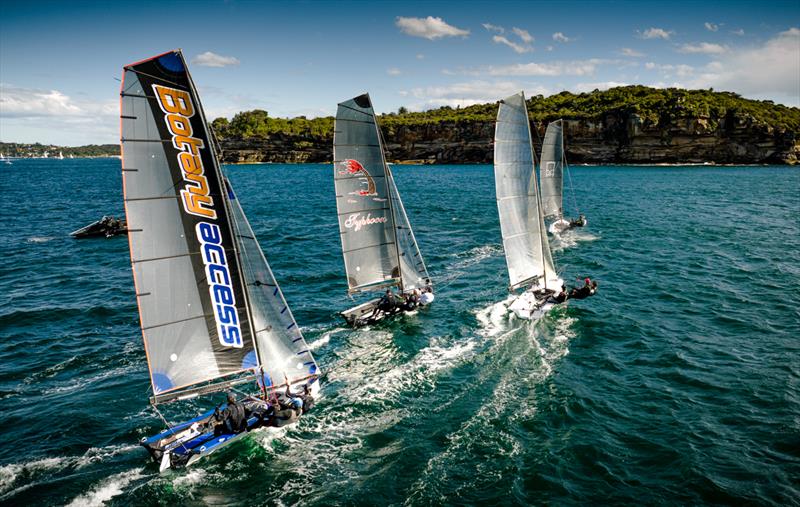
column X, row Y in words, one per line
column 209, row 305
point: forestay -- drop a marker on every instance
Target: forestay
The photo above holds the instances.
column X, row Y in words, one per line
column 282, row 350
column 521, row 220
column 366, row 222
column 551, row 171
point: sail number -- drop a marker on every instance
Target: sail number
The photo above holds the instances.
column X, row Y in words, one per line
column 219, row 284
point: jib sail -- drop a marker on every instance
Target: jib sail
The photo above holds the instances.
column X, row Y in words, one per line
column 282, row 351
column 188, row 278
column 521, row 222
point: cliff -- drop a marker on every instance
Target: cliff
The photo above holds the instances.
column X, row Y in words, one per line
column 627, row 125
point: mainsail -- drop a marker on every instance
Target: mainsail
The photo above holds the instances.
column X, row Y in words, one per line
column 551, row 171
column 377, row 241
column 521, row 219
column 195, row 260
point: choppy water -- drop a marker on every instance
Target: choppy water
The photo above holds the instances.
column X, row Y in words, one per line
column 678, row 383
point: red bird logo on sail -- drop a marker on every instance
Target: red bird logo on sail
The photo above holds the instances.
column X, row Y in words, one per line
column 354, row 167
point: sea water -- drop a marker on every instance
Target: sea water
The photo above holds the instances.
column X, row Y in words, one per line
column 678, row 383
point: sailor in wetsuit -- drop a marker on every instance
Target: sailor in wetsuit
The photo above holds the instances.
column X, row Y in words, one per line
column 588, row 289
column 386, row 305
column 233, row 419
column 579, row 222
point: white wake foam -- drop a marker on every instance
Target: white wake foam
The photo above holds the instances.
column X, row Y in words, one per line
column 106, row 490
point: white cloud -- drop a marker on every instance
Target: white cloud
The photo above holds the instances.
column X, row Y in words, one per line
column 656, row 33
column 393, row 71
column 703, row 47
column 589, row 87
column 738, row 32
column 630, row 52
column 428, row 28
column 469, row 93
column 209, row 59
column 494, row 28
column 570, row 68
column 51, row 116
column 420, row 56
column 526, row 37
column 560, row 37
column 548, row 48
column 769, row 71
column 711, row 27
column 669, row 70
column 519, row 48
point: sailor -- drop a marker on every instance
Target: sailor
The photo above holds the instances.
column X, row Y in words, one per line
column 410, row 302
column 579, row 222
column 386, row 304
column 233, row 419
column 308, row 399
column 561, row 296
column 427, row 296
column 583, row 292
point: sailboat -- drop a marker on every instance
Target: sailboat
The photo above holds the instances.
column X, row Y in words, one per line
column 212, row 314
column 528, row 257
column 378, row 244
column 551, row 179
column 60, row 156
column 4, row 159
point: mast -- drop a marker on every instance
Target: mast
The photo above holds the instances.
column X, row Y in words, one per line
column 536, row 189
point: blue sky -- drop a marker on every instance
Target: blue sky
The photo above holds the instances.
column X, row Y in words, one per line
column 59, row 62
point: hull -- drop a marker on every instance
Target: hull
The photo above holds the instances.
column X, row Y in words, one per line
column 562, row 225
column 535, row 302
column 362, row 315
column 101, row 229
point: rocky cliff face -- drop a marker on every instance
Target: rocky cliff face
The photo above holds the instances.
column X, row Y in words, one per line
column 616, row 138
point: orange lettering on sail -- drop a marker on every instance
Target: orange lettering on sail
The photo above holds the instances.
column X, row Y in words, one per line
column 178, row 110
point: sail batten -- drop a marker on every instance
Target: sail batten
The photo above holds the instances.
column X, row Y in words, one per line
column 521, row 219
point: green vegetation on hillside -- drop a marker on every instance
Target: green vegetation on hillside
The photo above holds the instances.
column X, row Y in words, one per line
column 30, row 150
column 653, row 105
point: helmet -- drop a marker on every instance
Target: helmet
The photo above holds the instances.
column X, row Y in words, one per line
column 297, row 403
column 587, row 281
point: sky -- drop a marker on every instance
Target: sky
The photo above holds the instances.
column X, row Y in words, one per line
column 60, row 62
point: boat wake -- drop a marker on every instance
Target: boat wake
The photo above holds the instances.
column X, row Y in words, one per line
column 108, row 489
column 570, row 239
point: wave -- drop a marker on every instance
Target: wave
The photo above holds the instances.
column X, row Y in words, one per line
column 40, row 239
column 106, row 490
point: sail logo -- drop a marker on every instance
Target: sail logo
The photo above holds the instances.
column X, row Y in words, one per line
column 178, row 109
column 356, row 221
column 353, row 167
column 549, row 169
column 219, row 285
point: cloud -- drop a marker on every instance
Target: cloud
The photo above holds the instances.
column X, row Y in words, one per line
column 560, row 37
column 209, row 59
column 393, row 71
column 655, row 33
column 630, row 52
column 770, row 71
column 519, row 48
column 711, row 27
column 526, row 37
column 468, row 93
column 738, row 32
column 428, row 28
column 51, row 116
column 420, row 56
column 570, row 68
column 590, row 87
column 494, row 28
column 669, row 70
column 703, row 47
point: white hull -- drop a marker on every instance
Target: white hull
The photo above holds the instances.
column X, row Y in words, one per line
column 531, row 306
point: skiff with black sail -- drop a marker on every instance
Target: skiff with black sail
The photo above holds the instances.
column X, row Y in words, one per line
column 528, row 256
column 212, row 315
column 379, row 247
column 551, row 180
